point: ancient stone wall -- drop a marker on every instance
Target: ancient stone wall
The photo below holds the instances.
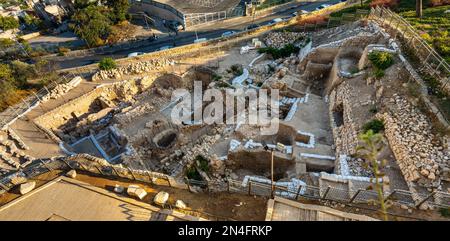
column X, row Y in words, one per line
column 420, row 156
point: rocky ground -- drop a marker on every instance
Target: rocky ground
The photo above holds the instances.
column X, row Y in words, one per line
column 281, row 39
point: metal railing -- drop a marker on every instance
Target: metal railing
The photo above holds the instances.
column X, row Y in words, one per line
column 430, row 60
column 92, row 165
column 18, row 110
column 360, row 196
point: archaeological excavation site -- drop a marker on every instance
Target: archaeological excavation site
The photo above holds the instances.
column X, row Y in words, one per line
column 341, row 91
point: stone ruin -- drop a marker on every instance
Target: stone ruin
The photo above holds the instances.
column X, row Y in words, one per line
column 327, row 93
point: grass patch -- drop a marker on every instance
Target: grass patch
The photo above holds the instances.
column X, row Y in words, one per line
column 433, row 27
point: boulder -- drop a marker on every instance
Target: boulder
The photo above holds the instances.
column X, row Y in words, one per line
column 136, row 191
column 161, row 198
column 27, row 187
column 180, row 204
column 72, row 174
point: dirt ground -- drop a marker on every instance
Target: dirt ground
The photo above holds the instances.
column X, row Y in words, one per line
column 215, row 206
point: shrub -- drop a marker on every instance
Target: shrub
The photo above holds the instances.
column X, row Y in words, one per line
column 7, row 23
column 107, row 64
column 284, row 52
column 236, row 69
column 375, row 125
column 381, row 60
column 192, row 173
column 203, row 163
column 445, row 212
column 378, row 73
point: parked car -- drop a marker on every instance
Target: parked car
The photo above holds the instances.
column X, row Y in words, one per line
column 134, row 54
column 323, row 6
column 276, row 20
column 252, row 26
column 228, row 33
column 199, row 40
column 174, row 25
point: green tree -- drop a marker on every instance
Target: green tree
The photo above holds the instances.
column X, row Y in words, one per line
column 80, row 4
column 119, row 9
column 92, row 24
column 22, row 72
column 370, row 147
column 7, row 86
column 7, row 23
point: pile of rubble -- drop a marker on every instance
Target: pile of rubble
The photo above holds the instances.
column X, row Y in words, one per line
column 133, row 68
column 203, row 146
column 61, row 89
column 281, row 39
column 12, row 155
column 419, row 154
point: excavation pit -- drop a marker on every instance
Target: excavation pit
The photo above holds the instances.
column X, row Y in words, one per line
column 165, row 139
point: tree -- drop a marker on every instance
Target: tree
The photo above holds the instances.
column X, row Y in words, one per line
column 7, row 86
column 369, row 148
column 80, row 4
column 119, row 9
column 7, row 23
column 92, row 24
column 419, row 8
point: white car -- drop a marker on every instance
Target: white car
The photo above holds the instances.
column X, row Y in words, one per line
column 200, row 40
column 134, row 54
column 276, row 20
column 323, row 6
column 228, row 33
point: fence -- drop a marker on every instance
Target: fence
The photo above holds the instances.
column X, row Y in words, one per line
column 192, row 19
column 98, row 166
column 430, row 60
column 16, row 111
column 360, row 196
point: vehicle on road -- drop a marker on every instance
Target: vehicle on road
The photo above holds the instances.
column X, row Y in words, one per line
column 323, row 6
column 276, row 20
column 199, row 40
column 164, row 48
column 174, row 25
column 252, row 26
column 134, row 54
column 228, row 33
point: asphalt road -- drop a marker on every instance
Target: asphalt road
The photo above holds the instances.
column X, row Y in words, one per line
column 210, row 31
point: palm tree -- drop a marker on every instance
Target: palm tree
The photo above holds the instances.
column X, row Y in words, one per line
column 419, row 8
